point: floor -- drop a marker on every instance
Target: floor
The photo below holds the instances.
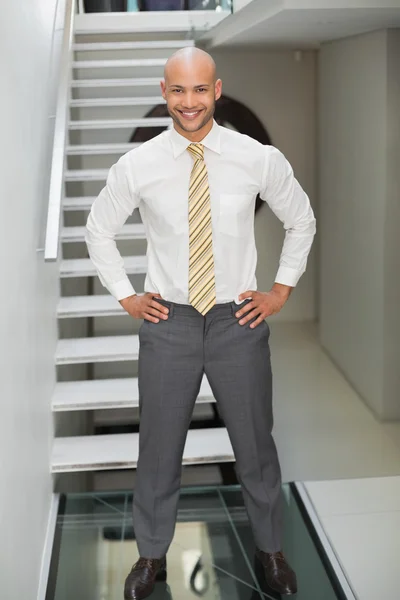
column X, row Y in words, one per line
column 323, row 430
column 211, row 556
column 361, row 518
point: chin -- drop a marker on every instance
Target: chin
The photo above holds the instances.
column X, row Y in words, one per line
column 194, row 125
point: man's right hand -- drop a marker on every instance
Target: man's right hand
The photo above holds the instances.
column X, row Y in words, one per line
column 145, row 307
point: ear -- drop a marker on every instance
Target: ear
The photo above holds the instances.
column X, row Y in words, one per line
column 163, row 88
column 218, row 89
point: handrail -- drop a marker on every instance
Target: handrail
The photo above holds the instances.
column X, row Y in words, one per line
column 60, row 132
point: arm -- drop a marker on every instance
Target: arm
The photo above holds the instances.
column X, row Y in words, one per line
column 286, row 198
column 291, row 205
column 109, row 211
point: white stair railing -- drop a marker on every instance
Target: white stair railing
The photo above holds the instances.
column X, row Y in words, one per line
column 52, row 241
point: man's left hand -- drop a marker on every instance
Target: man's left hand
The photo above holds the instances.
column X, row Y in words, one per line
column 262, row 304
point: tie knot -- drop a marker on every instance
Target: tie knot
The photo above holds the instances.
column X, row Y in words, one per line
column 197, row 151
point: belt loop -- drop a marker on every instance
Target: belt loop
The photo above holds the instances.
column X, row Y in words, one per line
column 171, row 309
column 235, row 307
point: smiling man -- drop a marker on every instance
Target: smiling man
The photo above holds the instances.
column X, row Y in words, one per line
column 195, row 187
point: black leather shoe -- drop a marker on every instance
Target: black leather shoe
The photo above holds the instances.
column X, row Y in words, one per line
column 142, row 577
column 278, row 574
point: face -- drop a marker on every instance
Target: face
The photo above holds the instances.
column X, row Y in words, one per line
column 191, row 93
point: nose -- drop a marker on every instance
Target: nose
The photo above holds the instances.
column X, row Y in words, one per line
column 189, row 102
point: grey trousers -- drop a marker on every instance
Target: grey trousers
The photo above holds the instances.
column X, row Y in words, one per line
column 173, row 355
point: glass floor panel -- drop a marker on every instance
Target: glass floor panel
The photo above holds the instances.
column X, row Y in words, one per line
column 211, row 556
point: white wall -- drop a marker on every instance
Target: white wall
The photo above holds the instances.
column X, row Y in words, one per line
column 28, row 298
column 358, row 196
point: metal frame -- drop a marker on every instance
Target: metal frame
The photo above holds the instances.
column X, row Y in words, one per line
column 48, row 546
column 59, row 141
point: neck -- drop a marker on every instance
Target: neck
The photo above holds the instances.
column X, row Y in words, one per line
column 195, row 136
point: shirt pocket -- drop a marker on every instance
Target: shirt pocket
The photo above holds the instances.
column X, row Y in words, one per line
column 235, row 211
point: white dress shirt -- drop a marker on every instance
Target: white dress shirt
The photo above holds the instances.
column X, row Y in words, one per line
column 155, row 179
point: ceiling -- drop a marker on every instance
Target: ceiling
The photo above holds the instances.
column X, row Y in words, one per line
column 301, row 24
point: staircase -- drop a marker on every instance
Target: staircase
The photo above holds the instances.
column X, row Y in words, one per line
column 114, row 86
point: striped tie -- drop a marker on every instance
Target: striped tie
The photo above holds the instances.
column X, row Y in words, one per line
column 201, row 259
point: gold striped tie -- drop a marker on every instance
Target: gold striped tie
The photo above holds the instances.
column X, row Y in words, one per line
column 201, row 259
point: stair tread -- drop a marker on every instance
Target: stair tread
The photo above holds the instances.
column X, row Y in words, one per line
column 108, row 393
column 129, row 231
column 99, row 304
column 120, row 123
column 101, row 148
column 83, row 267
column 78, row 202
column 120, row 62
column 108, row 348
column 101, row 452
column 157, row 44
column 137, row 101
column 117, row 82
column 86, row 174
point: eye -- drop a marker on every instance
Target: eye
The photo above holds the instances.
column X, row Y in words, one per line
column 201, row 90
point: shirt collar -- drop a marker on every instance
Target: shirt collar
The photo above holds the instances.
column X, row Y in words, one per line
column 212, row 141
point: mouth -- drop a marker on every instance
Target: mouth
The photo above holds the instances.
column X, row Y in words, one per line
column 190, row 115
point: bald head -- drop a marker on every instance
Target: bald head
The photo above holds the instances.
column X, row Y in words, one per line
column 191, row 91
column 190, row 59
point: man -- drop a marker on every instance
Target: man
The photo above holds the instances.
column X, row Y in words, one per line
column 195, row 186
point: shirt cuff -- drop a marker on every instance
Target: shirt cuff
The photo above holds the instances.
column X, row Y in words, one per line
column 287, row 276
column 121, row 289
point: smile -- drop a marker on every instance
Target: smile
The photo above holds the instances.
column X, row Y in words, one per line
column 190, row 114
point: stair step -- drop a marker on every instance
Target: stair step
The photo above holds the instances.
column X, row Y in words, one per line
column 202, row 412
column 86, row 175
column 121, row 451
column 123, row 62
column 101, row 149
column 107, row 393
column 121, row 123
column 83, row 267
column 99, row 305
column 95, row 102
column 132, row 45
column 110, row 348
column 137, row 81
column 78, row 203
column 130, row 231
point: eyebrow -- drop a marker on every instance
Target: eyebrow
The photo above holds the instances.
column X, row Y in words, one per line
column 196, row 86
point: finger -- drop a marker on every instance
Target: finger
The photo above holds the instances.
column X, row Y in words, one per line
column 254, row 313
column 157, row 313
column 158, row 306
column 245, row 295
column 150, row 318
column 245, row 309
column 257, row 322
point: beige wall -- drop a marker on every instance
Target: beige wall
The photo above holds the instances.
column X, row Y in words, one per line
column 391, row 356
column 282, row 93
column 238, row 4
column 358, row 212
